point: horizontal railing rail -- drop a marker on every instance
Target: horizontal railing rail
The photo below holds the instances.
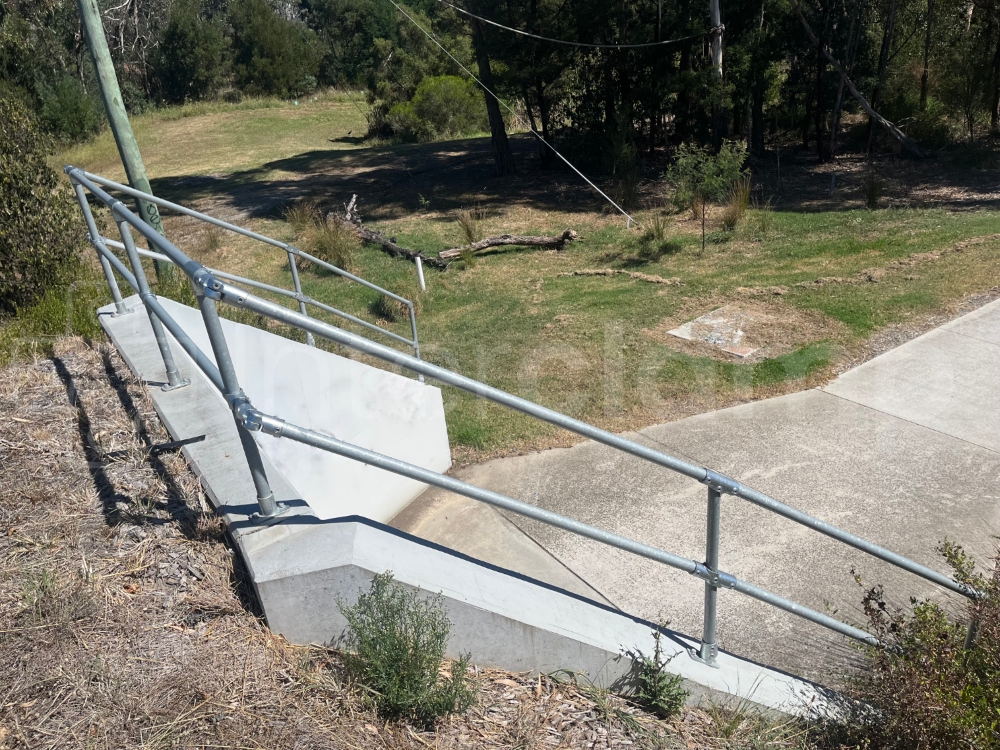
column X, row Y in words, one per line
column 292, row 252
column 212, row 287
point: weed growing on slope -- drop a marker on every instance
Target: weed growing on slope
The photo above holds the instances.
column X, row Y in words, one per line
column 398, row 641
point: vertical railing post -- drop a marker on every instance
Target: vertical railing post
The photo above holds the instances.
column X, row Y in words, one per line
column 298, row 290
column 709, row 647
column 973, row 631
column 174, row 379
column 95, row 237
column 413, row 329
column 235, row 397
column 420, row 274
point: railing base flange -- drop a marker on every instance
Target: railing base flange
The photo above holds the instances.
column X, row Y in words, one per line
column 175, row 386
column 261, row 520
column 706, row 655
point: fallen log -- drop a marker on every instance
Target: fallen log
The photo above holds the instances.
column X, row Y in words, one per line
column 352, row 220
column 558, row 241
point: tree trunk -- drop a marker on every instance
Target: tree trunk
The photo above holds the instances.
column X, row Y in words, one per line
column 853, row 36
column 531, row 122
column 883, row 64
column 502, row 156
column 822, row 145
column 720, row 121
column 905, row 141
column 757, row 143
column 995, row 104
column 543, row 111
column 925, row 76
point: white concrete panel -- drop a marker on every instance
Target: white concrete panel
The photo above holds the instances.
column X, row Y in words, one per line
column 349, row 400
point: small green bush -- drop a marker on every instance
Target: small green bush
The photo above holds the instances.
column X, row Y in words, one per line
column 70, row 114
column 657, row 690
column 398, row 640
column 927, row 690
column 698, row 175
column 470, row 220
column 653, row 243
column 324, row 237
column 41, row 230
column 442, row 107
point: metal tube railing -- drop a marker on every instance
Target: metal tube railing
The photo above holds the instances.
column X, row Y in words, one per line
column 720, row 482
column 279, row 428
column 174, row 379
column 301, row 298
column 291, row 250
column 88, row 217
column 709, row 647
column 250, row 419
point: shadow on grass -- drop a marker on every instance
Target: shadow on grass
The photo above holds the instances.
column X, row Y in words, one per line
column 392, row 181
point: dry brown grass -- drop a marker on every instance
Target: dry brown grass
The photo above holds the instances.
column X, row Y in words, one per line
column 126, row 622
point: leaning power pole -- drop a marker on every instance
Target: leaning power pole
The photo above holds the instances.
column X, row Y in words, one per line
column 93, row 31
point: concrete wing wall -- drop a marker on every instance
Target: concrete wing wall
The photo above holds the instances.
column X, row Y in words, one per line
column 351, row 401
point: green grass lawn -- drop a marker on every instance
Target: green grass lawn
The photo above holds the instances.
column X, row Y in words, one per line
column 219, row 138
column 592, row 346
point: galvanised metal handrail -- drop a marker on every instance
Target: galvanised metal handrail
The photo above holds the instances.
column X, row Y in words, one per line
column 249, row 419
column 292, row 252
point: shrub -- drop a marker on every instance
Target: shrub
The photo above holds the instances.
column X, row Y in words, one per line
column 40, row 227
column 398, row 639
column 442, row 107
column 927, row 689
column 657, row 690
column 737, row 203
column 70, row 114
column 653, row 243
column 874, row 186
column 698, row 175
column 191, row 60
column 470, row 220
column 272, row 55
column 324, row 237
column 759, row 221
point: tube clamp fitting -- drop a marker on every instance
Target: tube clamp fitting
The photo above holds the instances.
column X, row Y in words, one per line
column 721, row 483
column 211, row 287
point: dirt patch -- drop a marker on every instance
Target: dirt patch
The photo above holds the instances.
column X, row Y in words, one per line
column 766, row 329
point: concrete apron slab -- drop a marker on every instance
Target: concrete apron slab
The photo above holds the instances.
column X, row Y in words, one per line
column 525, row 615
column 902, row 451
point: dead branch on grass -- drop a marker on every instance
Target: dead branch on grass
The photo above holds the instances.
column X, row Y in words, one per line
column 673, row 281
column 557, row 241
column 352, row 219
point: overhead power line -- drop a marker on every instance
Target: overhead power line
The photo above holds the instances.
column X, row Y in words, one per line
column 535, row 133
column 574, row 44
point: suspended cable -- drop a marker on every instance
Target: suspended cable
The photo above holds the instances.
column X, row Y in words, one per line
column 469, row 73
column 573, row 44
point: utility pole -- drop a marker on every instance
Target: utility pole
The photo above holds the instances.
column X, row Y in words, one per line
column 718, row 113
column 716, row 32
column 93, row 31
